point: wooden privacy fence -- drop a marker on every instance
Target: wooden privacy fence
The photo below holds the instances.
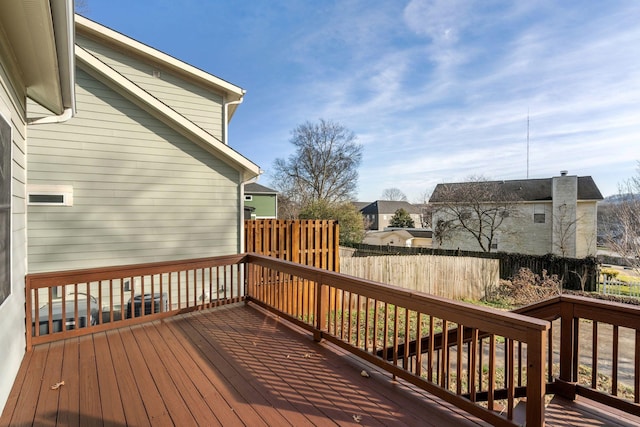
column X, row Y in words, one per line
column 570, row 270
column 310, row 242
column 445, row 276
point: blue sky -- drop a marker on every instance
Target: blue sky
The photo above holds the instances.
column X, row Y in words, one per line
column 435, row 90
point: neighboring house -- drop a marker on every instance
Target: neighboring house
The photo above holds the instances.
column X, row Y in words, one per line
column 263, row 200
column 36, row 61
column 144, row 171
column 377, row 215
column 554, row 215
column 409, row 237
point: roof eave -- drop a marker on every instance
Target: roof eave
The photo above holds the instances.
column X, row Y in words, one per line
column 97, row 31
column 167, row 115
column 42, row 40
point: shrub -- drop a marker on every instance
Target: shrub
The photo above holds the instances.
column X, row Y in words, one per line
column 526, row 287
column 609, row 273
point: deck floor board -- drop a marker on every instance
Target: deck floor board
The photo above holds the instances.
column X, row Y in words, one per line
column 229, row 366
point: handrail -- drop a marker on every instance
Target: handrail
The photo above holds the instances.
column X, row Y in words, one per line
column 362, row 317
column 78, row 302
column 538, row 348
column 580, row 351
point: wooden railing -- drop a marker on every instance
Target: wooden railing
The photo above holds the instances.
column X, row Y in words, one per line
column 72, row 303
column 479, row 359
column 594, row 349
column 481, row 364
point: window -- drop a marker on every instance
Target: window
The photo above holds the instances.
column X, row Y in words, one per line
column 248, row 197
column 5, row 209
column 494, row 246
column 52, row 195
column 539, row 216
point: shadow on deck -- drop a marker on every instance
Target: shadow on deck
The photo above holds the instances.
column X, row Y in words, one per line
column 234, row 365
column 180, row 361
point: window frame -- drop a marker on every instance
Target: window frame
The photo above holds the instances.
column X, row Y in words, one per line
column 63, row 191
column 6, row 206
column 539, row 212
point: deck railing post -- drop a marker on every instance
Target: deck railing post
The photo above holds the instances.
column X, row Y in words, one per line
column 536, row 355
column 322, row 303
column 249, row 281
column 28, row 313
column 566, row 342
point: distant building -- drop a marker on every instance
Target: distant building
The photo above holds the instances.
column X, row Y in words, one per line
column 408, row 237
column 378, row 214
column 262, row 201
column 553, row 215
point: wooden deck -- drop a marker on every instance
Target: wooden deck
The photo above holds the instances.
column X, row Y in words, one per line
column 230, row 366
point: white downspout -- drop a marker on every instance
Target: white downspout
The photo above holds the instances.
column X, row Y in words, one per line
column 225, row 140
column 225, row 119
column 66, row 115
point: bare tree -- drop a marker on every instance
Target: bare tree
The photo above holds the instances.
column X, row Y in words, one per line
column 81, row 6
column 564, row 228
column 393, row 194
column 425, row 208
column 323, row 167
column 477, row 208
column 623, row 234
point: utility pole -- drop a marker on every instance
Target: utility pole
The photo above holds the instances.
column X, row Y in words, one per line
column 527, row 143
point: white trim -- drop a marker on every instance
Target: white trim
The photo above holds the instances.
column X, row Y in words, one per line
column 64, row 191
column 85, row 25
column 6, row 116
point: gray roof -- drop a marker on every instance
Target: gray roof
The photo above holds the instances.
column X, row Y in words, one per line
column 389, row 207
column 530, row 190
column 425, row 234
column 360, row 205
column 254, row 188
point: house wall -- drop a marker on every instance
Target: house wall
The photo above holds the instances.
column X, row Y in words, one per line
column 201, row 106
column 265, row 205
column 518, row 233
column 421, row 242
column 565, row 196
column 387, row 238
column 587, row 219
column 382, row 221
column 521, row 234
column 12, row 332
column 141, row 191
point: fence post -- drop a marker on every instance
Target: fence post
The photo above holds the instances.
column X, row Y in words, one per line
column 536, row 353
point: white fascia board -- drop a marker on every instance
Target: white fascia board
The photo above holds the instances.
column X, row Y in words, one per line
column 86, row 26
column 163, row 112
column 63, row 23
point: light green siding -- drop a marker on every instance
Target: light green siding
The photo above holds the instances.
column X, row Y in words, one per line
column 264, row 204
column 12, row 332
column 202, row 107
column 142, row 192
